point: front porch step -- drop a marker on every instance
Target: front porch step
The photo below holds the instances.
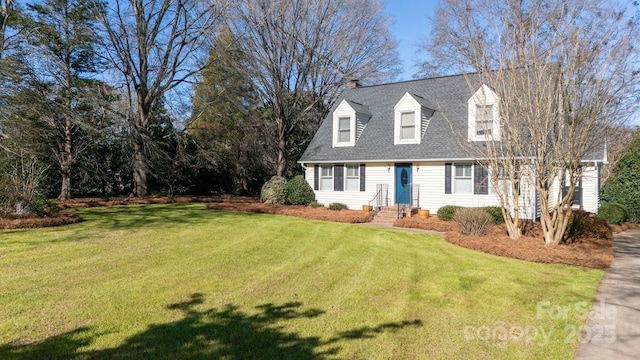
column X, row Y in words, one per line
column 387, row 215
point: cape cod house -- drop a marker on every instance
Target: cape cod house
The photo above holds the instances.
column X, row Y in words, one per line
column 398, row 143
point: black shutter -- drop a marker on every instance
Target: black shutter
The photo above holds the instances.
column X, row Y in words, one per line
column 447, row 178
column 338, row 178
column 316, row 177
column 480, row 180
column 362, row 178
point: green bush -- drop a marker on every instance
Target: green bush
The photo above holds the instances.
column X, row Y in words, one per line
column 613, row 213
column 584, row 225
column 447, row 212
column 273, row 191
column 496, row 213
column 338, row 206
column 42, row 206
column 315, row 204
column 298, row 191
column 473, row 221
column 623, row 186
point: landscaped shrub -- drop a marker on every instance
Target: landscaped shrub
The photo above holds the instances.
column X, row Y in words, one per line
column 298, row 191
column 623, row 186
column 584, row 225
column 338, row 206
column 315, row 204
column 447, row 212
column 496, row 213
column 273, row 191
column 613, row 213
column 42, row 206
column 473, row 221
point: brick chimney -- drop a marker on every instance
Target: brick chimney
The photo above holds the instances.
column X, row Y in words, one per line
column 353, row 83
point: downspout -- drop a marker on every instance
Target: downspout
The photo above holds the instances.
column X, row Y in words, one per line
column 303, row 167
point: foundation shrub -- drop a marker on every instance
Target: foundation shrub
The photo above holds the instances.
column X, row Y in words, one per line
column 473, row 221
column 338, row 206
column 298, row 191
column 496, row 213
column 447, row 212
column 584, row 225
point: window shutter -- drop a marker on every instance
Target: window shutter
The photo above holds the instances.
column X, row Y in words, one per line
column 338, row 178
column 447, row 178
column 316, row 177
column 480, row 179
column 362, row 178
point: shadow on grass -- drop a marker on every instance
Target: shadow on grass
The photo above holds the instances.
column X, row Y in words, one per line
column 140, row 216
column 209, row 334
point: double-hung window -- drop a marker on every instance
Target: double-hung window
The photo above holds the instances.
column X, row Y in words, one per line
column 344, row 129
column 407, row 126
column 463, row 179
column 326, row 177
column 352, row 178
column 484, row 120
column 504, row 182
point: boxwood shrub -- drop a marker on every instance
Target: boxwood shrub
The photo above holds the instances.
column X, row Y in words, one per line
column 496, row 213
column 447, row 212
column 338, row 206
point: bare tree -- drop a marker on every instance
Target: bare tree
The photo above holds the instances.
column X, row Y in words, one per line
column 152, row 46
column 566, row 73
column 302, row 52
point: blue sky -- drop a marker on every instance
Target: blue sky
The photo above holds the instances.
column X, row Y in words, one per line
column 411, row 25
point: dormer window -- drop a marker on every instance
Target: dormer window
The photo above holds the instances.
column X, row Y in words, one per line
column 483, row 115
column 344, row 130
column 411, row 118
column 349, row 120
column 407, row 126
column 484, row 120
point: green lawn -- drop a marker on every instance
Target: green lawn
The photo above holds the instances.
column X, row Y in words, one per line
column 179, row 281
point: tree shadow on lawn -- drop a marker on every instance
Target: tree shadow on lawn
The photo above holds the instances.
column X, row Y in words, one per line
column 209, row 334
column 140, row 216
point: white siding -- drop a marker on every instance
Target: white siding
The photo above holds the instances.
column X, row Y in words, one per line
column 590, row 196
column 432, row 197
column 374, row 174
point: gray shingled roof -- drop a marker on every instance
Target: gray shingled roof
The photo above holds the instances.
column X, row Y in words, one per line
column 447, row 95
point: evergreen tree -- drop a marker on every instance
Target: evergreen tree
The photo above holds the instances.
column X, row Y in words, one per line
column 228, row 121
column 623, row 187
column 61, row 91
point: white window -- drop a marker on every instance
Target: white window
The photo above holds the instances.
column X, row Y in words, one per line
column 352, row 178
column 463, row 179
column 503, row 181
column 484, row 120
column 483, row 115
column 407, row 126
column 410, row 117
column 344, row 129
column 326, row 177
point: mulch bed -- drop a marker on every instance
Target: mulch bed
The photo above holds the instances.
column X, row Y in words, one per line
column 64, row 217
column 591, row 253
column 307, row 212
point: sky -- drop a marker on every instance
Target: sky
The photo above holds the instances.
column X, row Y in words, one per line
column 410, row 26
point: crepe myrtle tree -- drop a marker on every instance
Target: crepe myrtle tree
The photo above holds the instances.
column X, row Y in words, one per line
column 564, row 73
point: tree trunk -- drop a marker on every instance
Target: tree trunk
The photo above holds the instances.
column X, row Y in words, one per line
column 282, row 147
column 139, row 168
column 65, row 190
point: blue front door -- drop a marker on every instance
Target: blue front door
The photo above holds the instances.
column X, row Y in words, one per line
column 403, row 183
